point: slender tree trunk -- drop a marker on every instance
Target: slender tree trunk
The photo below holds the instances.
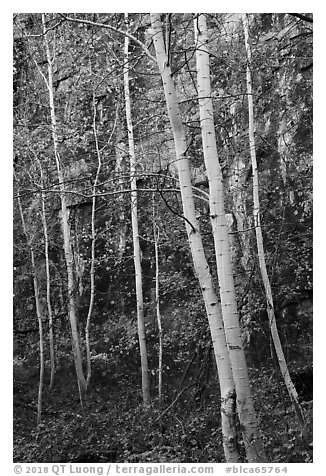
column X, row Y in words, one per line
column 197, row 250
column 158, row 310
column 48, row 282
column 121, row 174
column 93, row 241
column 120, row 170
column 65, row 229
column 259, row 239
column 245, row 407
column 38, row 312
column 135, row 233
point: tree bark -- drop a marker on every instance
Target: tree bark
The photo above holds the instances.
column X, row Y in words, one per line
column 197, row 250
column 93, row 241
column 65, row 228
column 245, row 407
column 48, row 282
column 156, row 235
column 120, row 171
column 38, row 312
column 260, row 242
column 135, row 232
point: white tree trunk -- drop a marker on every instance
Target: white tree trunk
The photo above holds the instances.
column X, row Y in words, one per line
column 245, row 407
column 65, row 228
column 38, row 312
column 135, row 232
column 120, row 171
column 93, row 241
column 156, row 235
column 48, row 281
column 259, row 239
column 197, row 250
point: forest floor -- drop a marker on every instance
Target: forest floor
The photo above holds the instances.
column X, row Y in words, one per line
column 115, row 428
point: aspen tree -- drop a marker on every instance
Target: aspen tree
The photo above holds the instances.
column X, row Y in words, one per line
column 48, row 279
column 259, row 238
column 202, row 271
column 38, row 306
column 245, row 407
column 156, row 235
column 65, row 225
column 135, row 232
column 120, row 171
column 93, row 241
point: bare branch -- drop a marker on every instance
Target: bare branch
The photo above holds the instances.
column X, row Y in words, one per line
column 110, row 27
column 42, row 74
column 45, row 32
